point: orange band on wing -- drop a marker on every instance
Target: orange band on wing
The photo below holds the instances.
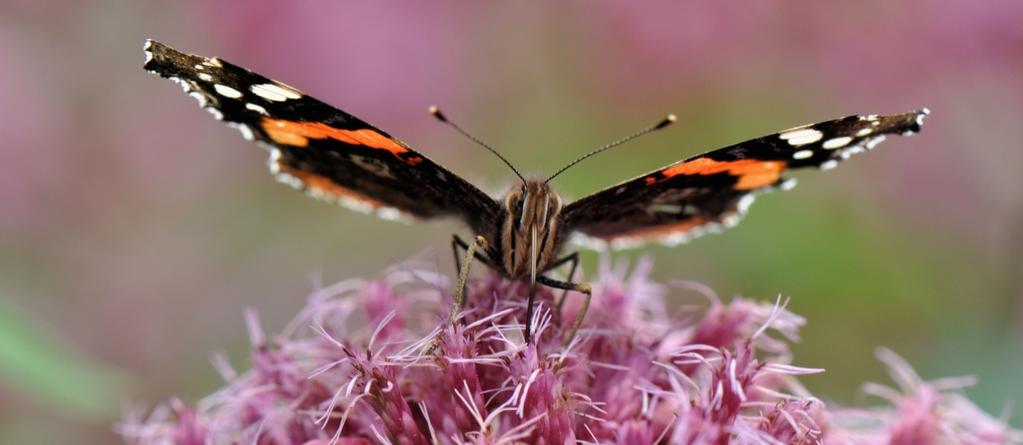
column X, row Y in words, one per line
column 662, row 230
column 751, row 172
column 298, row 134
column 322, row 187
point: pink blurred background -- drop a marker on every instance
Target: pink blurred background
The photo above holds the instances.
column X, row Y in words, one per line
column 134, row 228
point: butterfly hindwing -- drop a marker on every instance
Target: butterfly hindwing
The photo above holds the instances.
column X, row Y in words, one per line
column 328, row 153
column 711, row 191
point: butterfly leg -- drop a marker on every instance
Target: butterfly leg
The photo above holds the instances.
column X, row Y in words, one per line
column 462, row 265
column 570, row 258
column 463, row 270
column 567, row 286
column 458, row 243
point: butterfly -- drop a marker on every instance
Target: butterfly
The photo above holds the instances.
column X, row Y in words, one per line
column 337, row 157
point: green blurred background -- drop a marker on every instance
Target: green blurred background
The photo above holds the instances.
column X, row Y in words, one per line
column 134, row 228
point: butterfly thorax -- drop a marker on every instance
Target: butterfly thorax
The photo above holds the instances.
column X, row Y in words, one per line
column 529, row 233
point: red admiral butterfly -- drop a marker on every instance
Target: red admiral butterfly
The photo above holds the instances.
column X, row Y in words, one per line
column 335, row 156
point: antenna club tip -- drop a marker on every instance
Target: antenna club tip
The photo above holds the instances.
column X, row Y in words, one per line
column 436, row 113
column 668, row 120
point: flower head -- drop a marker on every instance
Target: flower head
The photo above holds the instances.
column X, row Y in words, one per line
column 379, row 363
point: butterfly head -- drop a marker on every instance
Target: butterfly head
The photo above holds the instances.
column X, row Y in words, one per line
column 529, row 235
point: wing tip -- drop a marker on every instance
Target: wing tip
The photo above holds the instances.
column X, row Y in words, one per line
column 147, row 49
column 169, row 62
column 160, row 58
column 913, row 121
column 918, row 120
column 156, row 53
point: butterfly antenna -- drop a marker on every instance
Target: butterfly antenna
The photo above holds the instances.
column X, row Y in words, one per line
column 441, row 117
column 668, row 120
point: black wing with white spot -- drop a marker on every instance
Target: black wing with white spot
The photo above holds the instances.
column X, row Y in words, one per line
column 325, row 151
column 712, row 191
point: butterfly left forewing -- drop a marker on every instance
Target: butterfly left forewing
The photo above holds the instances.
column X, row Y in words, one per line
column 325, row 151
column 711, row 191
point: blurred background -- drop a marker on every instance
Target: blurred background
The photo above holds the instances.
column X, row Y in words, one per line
column 134, row 228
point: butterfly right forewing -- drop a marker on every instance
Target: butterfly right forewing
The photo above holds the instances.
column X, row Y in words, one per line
column 711, row 191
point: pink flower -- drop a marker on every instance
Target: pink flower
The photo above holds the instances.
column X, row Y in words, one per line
column 934, row 412
column 379, row 364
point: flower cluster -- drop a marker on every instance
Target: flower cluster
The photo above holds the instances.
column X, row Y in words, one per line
column 377, row 362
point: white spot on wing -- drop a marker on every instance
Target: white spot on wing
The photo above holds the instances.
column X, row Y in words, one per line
column 745, row 202
column 864, row 132
column 205, row 77
column 185, row 86
column 227, row 91
column 730, row 220
column 801, row 137
column 146, row 48
column 853, row 150
column 390, row 213
column 920, row 115
column 199, row 97
column 289, row 180
column 829, row 164
column 802, row 154
column 245, row 130
column 274, row 162
column 256, row 108
column 836, row 142
column 190, row 87
column 873, row 142
column 274, row 92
